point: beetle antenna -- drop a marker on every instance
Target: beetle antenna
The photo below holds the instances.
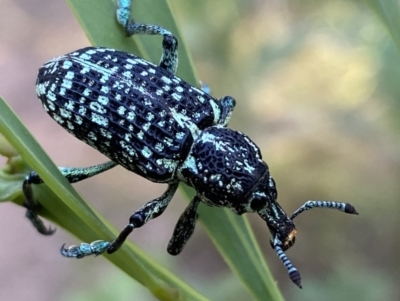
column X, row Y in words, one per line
column 344, row 207
column 292, row 271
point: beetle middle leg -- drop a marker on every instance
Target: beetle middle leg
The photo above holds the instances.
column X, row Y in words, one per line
column 149, row 211
column 73, row 175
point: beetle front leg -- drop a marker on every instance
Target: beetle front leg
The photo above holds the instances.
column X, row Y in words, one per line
column 228, row 104
column 184, row 228
column 73, row 175
column 169, row 58
column 149, row 211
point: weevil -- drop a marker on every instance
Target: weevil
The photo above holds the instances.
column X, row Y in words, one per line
column 153, row 123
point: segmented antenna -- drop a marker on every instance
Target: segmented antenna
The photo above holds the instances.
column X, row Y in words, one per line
column 344, row 207
column 292, row 271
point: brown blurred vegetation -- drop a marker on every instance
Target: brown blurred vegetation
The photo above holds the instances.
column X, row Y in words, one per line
column 316, row 86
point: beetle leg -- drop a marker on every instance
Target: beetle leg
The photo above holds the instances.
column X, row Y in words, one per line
column 169, row 58
column 345, row 207
column 32, row 207
column 147, row 212
column 205, row 88
column 84, row 249
column 228, row 104
column 73, row 175
column 184, row 228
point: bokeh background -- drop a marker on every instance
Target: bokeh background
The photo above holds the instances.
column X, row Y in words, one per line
column 317, row 88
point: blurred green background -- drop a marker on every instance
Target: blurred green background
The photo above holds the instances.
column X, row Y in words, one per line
column 316, row 87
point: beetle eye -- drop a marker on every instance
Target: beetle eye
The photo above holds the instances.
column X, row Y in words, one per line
column 258, row 202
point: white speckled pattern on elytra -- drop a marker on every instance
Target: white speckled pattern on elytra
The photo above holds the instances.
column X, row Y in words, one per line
column 100, row 89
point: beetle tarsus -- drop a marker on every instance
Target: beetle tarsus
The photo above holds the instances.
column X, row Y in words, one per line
column 84, row 249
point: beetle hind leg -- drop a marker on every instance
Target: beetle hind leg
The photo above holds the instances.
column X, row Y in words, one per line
column 169, row 58
column 147, row 212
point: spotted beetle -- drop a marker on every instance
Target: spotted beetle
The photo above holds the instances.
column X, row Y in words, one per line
column 153, row 123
